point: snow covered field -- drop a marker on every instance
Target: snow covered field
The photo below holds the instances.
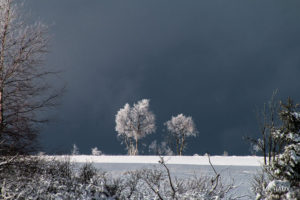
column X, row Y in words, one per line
column 180, row 160
column 237, row 169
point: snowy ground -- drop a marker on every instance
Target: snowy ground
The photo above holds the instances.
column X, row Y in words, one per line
column 180, row 160
column 239, row 169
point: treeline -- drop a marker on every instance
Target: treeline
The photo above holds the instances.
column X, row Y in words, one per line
column 136, row 122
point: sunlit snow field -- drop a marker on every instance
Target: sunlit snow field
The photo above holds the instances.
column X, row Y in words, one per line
column 237, row 169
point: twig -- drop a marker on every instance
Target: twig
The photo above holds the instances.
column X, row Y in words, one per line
column 162, row 162
column 8, row 161
column 156, row 191
column 216, row 179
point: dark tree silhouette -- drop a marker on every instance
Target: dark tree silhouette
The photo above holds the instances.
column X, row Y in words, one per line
column 24, row 91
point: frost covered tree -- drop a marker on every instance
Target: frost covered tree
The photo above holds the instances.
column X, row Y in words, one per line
column 284, row 170
column 288, row 161
column 75, row 150
column 96, row 151
column 24, row 91
column 134, row 123
column 181, row 127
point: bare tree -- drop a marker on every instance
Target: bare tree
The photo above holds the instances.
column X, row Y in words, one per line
column 180, row 128
column 24, row 91
column 134, row 123
column 268, row 121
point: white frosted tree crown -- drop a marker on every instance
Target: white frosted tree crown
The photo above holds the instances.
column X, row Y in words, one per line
column 181, row 125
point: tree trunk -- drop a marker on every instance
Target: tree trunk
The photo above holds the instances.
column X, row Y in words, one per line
column 177, row 146
column 270, row 148
column 1, row 112
column 264, row 147
column 136, row 147
column 2, row 58
column 182, row 145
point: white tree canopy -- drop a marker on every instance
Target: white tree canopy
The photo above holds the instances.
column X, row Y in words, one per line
column 135, row 122
column 181, row 125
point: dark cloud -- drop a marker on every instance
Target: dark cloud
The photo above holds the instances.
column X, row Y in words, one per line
column 213, row 60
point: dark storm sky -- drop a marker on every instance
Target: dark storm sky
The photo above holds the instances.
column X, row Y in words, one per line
column 212, row 60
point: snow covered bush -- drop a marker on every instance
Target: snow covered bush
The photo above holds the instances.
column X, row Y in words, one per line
column 87, row 172
column 161, row 184
column 96, row 151
column 181, row 127
column 35, row 178
column 134, row 123
column 283, row 181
